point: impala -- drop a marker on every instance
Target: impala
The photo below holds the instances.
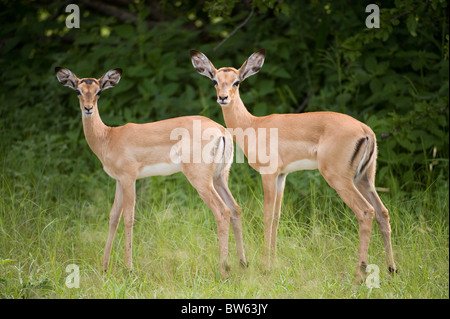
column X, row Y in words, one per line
column 342, row 148
column 136, row 151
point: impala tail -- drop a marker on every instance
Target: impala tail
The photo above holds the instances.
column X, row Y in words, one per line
column 223, row 159
column 364, row 154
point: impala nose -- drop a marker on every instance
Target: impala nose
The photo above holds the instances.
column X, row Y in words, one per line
column 88, row 108
column 222, row 98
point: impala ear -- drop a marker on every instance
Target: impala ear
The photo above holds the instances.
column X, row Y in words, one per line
column 110, row 79
column 202, row 64
column 253, row 64
column 66, row 77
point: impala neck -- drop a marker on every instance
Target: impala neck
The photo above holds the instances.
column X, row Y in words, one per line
column 95, row 132
column 236, row 115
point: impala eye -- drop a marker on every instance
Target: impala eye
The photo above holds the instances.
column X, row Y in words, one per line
column 98, row 93
column 78, row 92
column 236, row 83
column 215, row 82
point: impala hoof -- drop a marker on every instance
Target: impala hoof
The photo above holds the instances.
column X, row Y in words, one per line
column 393, row 270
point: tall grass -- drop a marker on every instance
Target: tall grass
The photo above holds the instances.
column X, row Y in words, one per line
column 53, row 215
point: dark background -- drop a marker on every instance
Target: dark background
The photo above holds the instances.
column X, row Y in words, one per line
column 320, row 56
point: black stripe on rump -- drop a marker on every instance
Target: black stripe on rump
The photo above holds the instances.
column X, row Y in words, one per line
column 357, row 148
column 223, row 151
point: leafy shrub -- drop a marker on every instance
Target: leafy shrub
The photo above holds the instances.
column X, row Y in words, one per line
column 320, row 56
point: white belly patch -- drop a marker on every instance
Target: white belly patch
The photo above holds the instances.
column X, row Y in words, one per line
column 159, row 169
column 301, row 165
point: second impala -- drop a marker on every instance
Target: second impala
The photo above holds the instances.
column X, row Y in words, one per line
column 342, row 148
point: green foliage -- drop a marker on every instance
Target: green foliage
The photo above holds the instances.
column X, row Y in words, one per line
column 320, row 56
column 406, row 72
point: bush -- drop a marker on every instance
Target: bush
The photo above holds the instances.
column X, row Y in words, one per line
column 320, row 56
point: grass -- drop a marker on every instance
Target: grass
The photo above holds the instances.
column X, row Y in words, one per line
column 54, row 212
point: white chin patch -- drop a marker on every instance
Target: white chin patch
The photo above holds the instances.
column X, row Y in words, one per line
column 87, row 114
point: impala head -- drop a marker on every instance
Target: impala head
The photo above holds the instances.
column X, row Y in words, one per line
column 88, row 89
column 227, row 80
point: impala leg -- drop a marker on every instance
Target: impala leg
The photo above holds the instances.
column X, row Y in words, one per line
column 205, row 188
column 281, row 181
column 270, row 193
column 129, row 195
column 364, row 214
column 221, row 187
column 367, row 189
column 114, row 218
column 222, row 214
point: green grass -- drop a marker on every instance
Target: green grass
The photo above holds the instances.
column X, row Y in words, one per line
column 54, row 212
